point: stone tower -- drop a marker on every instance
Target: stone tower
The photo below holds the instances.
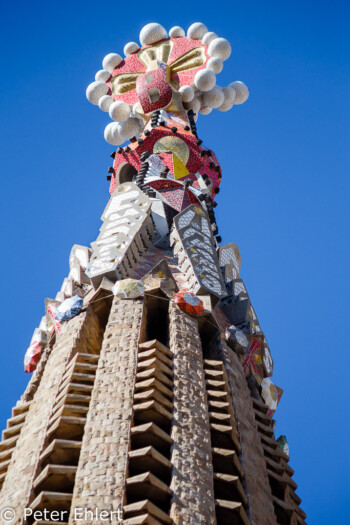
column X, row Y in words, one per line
column 151, row 400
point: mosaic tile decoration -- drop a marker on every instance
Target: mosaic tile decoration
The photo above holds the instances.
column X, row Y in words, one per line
column 189, row 303
column 182, row 147
column 174, row 194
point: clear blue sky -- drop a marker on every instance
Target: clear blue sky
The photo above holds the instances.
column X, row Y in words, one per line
column 284, row 198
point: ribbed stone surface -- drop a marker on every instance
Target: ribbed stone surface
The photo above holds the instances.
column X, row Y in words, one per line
column 101, row 474
column 80, row 334
column 192, row 476
column 252, row 459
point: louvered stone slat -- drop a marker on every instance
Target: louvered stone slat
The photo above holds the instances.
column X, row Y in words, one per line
column 155, row 363
column 153, row 372
column 150, row 434
column 230, row 512
column 152, row 411
column 147, row 485
column 154, row 353
column 229, row 487
column 154, row 383
column 153, row 394
column 55, row 478
column 61, row 452
column 140, row 507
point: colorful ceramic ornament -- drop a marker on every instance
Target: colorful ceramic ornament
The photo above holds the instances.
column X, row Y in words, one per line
column 153, row 90
column 128, row 289
column 33, row 354
column 283, row 444
column 175, row 73
column 253, row 361
column 69, row 308
column 53, row 324
column 181, row 152
column 189, row 303
column 271, row 394
column 174, row 194
column 236, row 339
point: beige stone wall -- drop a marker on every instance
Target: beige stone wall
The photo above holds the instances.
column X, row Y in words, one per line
column 101, row 474
column 192, row 476
column 252, row 459
column 82, row 333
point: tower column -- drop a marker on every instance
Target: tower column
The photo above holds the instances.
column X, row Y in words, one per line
column 78, row 334
column 101, row 474
column 252, row 458
column 192, row 476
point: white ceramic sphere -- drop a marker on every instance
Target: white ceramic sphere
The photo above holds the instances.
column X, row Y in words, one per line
column 176, row 32
column 118, row 137
column 205, row 110
column 105, row 102
column 242, row 92
column 219, row 48
column 196, row 31
column 199, row 97
column 112, row 135
column 208, row 37
column 119, row 111
column 102, row 76
column 225, row 107
column 213, row 98
column 205, row 80
column 111, row 61
column 215, row 65
column 194, row 104
column 229, row 94
column 130, row 48
column 152, row 33
column 187, row 93
column 129, row 128
column 95, row 91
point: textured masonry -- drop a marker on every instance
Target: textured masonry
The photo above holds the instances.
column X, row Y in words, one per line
column 101, row 474
column 252, row 458
column 192, row 477
column 82, row 332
